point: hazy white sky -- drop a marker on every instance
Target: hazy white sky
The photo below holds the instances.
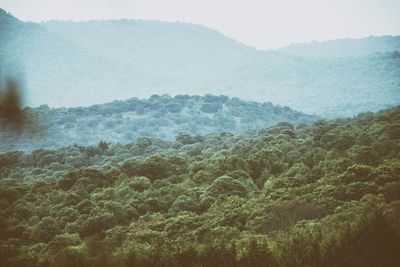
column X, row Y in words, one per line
column 259, row 23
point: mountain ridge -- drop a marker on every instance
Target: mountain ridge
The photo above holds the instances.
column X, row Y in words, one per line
column 371, row 45
column 85, row 63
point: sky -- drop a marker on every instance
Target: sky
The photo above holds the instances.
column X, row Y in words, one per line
column 263, row 24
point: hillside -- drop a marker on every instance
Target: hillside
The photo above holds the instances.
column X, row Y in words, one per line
column 86, row 63
column 326, row 194
column 345, row 47
column 158, row 116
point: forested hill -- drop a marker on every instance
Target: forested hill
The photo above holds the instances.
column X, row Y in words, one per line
column 345, row 47
column 321, row 195
column 86, row 63
column 159, row 116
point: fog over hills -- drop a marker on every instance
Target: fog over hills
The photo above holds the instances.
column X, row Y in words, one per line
column 85, row 63
column 165, row 144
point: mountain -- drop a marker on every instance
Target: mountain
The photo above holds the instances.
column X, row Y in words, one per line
column 85, row 63
column 275, row 197
column 344, row 47
column 159, row 116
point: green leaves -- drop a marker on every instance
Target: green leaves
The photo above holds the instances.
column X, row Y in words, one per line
column 319, row 200
column 226, row 185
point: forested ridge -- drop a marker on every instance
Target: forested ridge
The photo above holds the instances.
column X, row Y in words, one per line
column 160, row 116
column 326, row 194
column 65, row 63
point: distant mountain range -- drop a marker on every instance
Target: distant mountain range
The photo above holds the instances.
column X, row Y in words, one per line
column 159, row 116
column 344, row 47
column 85, row 63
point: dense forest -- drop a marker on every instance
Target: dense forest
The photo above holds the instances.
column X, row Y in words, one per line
column 159, row 116
column 326, row 194
column 77, row 63
column 170, row 178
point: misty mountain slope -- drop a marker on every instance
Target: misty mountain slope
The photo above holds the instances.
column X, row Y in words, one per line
column 175, row 44
column 344, row 47
column 52, row 67
column 85, row 63
column 148, row 57
column 332, row 87
column 158, row 116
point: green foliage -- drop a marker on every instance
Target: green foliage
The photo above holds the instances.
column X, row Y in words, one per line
column 159, row 116
column 225, row 185
column 263, row 198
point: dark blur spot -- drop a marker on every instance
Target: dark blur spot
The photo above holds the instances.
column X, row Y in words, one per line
column 10, row 105
column 12, row 114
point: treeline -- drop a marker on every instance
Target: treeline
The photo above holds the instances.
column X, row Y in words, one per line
column 326, row 194
column 159, row 116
